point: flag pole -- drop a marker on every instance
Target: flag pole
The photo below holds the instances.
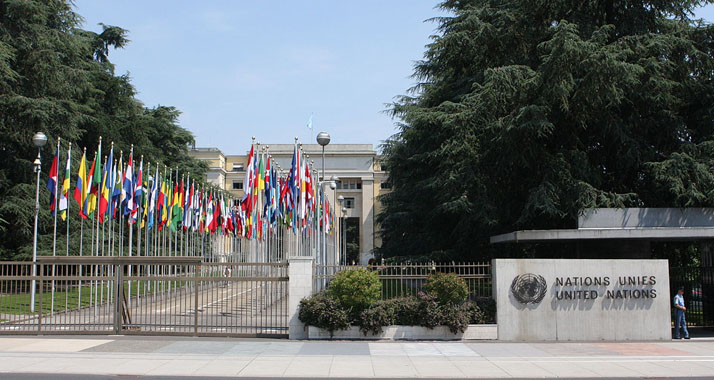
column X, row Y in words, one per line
column 129, row 218
column 69, row 181
column 69, row 159
column 54, row 233
column 101, row 268
column 54, row 201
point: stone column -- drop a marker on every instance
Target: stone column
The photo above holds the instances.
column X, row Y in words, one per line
column 299, row 287
column 367, row 228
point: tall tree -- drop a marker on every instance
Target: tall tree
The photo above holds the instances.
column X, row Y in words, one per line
column 57, row 78
column 529, row 111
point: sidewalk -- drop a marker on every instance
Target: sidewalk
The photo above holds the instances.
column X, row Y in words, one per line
column 168, row 356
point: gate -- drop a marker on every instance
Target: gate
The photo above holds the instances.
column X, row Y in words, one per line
column 144, row 295
column 698, row 283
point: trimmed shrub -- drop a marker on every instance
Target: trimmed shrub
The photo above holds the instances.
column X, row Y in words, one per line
column 488, row 308
column 406, row 311
column 395, row 311
column 455, row 318
column 355, row 290
column 474, row 313
column 323, row 312
column 428, row 310
column 376, row 317
column 449, row 289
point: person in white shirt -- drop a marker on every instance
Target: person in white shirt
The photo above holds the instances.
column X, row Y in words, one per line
column 679, row 310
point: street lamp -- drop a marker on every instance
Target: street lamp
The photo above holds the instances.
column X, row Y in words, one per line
column 323, row 138
column 333, row 187
column 344, row 235
column 343, row 254
column 39, row 140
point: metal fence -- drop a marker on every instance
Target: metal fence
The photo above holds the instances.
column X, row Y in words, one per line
column 698, row 283
column 399, row 280
column 153, row 296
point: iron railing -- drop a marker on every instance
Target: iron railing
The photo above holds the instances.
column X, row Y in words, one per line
column 399, row 280
column 698, row 283
column 157, row 296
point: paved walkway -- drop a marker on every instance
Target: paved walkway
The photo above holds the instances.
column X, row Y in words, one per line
column 162, row 356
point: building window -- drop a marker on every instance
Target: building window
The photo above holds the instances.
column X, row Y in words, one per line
column 237, row 185
column 349, row 203
column 349, row 184
column 385, row 185
column 238, row 167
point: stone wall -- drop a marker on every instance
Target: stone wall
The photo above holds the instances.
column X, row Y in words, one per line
column 581, row 300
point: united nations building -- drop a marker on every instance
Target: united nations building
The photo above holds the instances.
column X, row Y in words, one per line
column 360, row 182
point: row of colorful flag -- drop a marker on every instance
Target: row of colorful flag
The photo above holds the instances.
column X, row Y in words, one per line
column 110, row 189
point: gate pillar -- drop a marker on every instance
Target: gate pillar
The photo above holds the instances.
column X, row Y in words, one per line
column 299, row 287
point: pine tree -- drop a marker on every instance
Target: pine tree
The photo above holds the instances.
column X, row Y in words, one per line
column 527, row 112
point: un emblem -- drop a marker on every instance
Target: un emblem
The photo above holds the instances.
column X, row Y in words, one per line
column 529, row 288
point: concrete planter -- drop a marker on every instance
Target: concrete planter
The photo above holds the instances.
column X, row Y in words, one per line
column 398, row 332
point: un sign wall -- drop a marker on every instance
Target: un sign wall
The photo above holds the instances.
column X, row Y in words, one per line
column 529, row 288
column 581, row 300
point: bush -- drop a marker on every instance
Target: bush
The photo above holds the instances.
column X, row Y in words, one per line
column 449, row 289
column 323, row 312
column 455, row 318
column 488, row 308
column 474, row 313
column 373, row 319
column 422, row 310
column 355, row 290
column 396, row 311
column 406, row 311
column 428, row 310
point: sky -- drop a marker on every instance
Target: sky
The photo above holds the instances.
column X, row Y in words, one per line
column 237, row 69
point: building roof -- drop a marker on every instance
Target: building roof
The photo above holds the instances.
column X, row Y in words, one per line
column 284, row 149
column 663, row 224
column 650, row 233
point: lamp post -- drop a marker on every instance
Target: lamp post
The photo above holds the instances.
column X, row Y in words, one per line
column 344, row 236
column 39, row 140
column 333, row 187
column 323, row 138
column 341, row 199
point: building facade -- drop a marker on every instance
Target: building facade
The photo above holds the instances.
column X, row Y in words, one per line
column 361, row 182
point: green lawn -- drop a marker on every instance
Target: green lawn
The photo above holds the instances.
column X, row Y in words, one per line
column 19, row 304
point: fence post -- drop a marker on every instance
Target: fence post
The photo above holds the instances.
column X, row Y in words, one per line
column 118, row 298
column 196, row 277
column 39, row 317
column 299, row 286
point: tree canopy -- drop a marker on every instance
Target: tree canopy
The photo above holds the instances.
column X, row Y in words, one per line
column 527, row 112
column 57, row 78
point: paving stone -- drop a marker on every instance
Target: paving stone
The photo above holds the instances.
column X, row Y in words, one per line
column 480, row 368
column 130, row 346
column 573, row 349
column 198, row 347
column 334, row 348
column 507, row 350
column 351, row 366
column 523, row 369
